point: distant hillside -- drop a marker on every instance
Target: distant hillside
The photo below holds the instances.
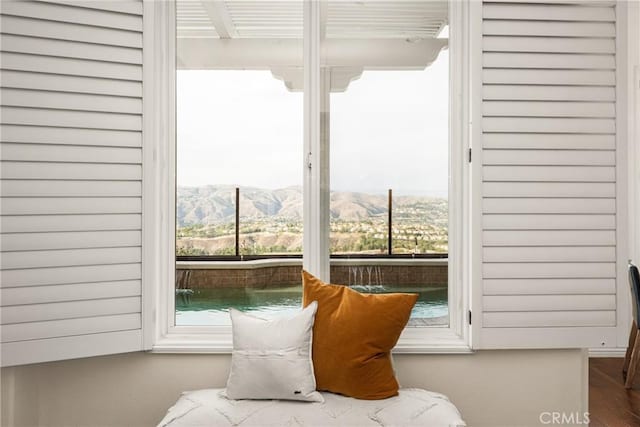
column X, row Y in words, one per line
column 214, row 204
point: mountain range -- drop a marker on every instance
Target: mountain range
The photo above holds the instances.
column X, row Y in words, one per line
column 214, row 204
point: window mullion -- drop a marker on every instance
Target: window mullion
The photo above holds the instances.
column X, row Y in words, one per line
column 316, row 148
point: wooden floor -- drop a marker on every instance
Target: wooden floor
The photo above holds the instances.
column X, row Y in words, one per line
column 610, row 404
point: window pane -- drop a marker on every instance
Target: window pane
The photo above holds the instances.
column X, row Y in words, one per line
column 238, row 129
column 390, row 151
column 239, row 168
column 239, row 157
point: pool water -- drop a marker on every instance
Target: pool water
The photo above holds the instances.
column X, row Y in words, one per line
column 210, row 306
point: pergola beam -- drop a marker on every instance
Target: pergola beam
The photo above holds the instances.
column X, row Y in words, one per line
column 220, row 18
column 338, row 78
column 230, row 54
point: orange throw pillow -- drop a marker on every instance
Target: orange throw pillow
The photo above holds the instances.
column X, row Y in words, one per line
column 353, row 335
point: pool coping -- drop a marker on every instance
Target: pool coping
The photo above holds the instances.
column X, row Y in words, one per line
column 266, row 263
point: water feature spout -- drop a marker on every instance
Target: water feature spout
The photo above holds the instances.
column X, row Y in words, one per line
column 183, row 291
column 367, row 278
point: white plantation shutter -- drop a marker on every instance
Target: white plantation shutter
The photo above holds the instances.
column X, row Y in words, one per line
column 71, row 179
column 549, row 192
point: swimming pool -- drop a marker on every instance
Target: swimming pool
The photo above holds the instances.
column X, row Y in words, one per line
column 210, row 306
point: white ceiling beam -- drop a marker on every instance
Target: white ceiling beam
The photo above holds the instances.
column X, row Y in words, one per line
column 220, row 18
column 340, row 77
column 324, row 14
column 261, row 54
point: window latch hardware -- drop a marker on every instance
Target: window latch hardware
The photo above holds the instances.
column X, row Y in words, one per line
column 309, row 160
column 469, row 155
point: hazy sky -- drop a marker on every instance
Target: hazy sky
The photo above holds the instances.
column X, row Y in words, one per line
column 388, row 130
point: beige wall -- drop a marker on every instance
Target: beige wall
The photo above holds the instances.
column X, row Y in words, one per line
column 490, row 388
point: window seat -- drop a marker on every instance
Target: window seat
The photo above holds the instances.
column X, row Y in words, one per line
column 412, row 407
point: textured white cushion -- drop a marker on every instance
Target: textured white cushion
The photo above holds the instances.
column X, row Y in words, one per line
column 271, row 359
column 411, row 408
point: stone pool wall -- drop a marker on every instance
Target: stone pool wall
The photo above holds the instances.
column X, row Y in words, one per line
column 263, row 277
column 192, row 276
column 422, row 274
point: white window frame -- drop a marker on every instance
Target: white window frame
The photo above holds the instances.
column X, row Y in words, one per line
column 633, row 13
column 161, row 333
column 628, row 39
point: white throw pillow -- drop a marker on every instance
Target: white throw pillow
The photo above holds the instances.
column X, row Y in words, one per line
column 271, row 359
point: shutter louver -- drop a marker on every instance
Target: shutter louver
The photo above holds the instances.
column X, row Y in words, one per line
column 71, row 179
column 548, row 175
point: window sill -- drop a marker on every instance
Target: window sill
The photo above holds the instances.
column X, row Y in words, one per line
column 218, row 340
